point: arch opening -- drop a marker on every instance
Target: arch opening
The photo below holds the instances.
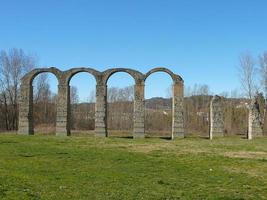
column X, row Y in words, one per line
column 30, row 77
column 44, row 101
column 158, row 105
column 82, row 103
column 120, row 99
column 73, row 72
column 133, row 73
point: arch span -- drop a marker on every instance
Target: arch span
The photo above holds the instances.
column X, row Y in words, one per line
column 158, row 113
column 176, row 78
column 44, row 103
column 120, row 98
column 82, row 110
column 71, row 72
column 28, row 78
column 137, row 76
column 64, row 77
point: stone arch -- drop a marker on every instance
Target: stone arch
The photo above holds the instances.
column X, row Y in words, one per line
column 88, row 124
column 120, row 112
column 177, row 100
column 70, row 73
column 29, row 77
column 63, row 78
column 44, row 112
column 26, row 125
column 176, row 78
column 137, row 76
column 216, row 121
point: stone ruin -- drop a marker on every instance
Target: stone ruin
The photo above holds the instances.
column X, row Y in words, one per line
column 216, row 119
column 26, row 121
column 255, row 118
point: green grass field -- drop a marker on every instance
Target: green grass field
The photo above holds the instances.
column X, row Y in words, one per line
column 49, row 167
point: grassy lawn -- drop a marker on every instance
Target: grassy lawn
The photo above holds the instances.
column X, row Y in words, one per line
column 49, row 167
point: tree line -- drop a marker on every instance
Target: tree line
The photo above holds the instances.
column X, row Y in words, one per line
column 253, row 74
column 158, row 115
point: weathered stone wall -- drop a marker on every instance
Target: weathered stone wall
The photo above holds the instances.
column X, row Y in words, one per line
column 139, row 110
column 63, row 110
column 25, row 110
column 178, row 110
column 63, row 101
column 216, row 117
column 101, row 110
column 255, row 127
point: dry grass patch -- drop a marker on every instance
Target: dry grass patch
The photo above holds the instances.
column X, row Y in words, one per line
column 247, row 154
column 250, row 172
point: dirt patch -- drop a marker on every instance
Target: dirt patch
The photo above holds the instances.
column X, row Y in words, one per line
column 163, row 147
column 249, row 172
column 247, row 154
column 145, row 148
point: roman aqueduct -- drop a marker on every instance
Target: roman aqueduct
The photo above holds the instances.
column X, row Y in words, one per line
column 26, row 121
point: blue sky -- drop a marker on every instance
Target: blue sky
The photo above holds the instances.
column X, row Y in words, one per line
column 199, row 40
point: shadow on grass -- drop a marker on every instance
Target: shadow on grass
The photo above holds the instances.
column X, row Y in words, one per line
column 146, row 137
column 123, row 137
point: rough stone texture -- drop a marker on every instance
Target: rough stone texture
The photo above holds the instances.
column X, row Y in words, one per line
column 178, row 111
column 25, row 110
column 101, row 110
column 254, row 120
column 63, row 110
column 63, row 101
column 176, row 78
column 261, row 101
column 139, row 111
column 137, row 76
column 216, row 117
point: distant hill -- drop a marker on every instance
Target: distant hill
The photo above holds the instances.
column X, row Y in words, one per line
column 199, row 101
column 158, row 103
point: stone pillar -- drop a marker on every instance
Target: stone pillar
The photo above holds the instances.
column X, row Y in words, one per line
column 216, row 117
column 254, row 120
column 178, row 110
column 139, row 111
column 101, row 110
column 26, row 110
column 63, row 110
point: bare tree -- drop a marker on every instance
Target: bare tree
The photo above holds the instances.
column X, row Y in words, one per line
column 44, row 110
column 197, row 89
column 120, row 108
column 41, row 88
column 234, row 93
column 224, row 94
column 74, row 98
column 169, row 92
column 187, row 91
column 247, row 72
column 13, row 65
column 121, row 94
column 263, row 72
column 204, row 89
column 91, row 97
